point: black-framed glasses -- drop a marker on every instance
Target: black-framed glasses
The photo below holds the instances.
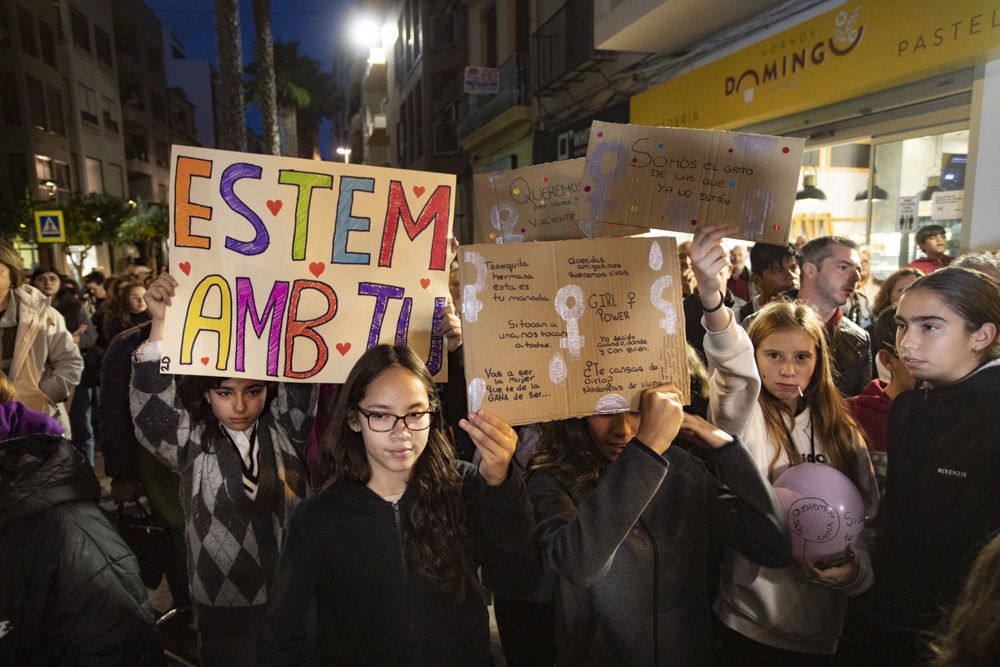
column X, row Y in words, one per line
column 383, row 422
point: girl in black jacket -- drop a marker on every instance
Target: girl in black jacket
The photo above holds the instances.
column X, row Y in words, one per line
column 625, row 521
column 943, row 480
column 388, row 551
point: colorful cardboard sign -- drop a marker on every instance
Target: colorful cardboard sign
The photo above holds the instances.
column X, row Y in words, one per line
column 290, row 269
column 679, row 179
column 537, row 203
column 571, row 328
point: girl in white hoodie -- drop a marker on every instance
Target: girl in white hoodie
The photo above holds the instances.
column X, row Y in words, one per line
column 774, row 387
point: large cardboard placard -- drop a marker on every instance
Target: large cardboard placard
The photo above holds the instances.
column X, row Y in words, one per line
column 290, row 269
column 679, row 179
column 537, row 203
column 571, row 328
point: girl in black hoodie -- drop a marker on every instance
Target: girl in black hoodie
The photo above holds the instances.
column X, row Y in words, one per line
column 388, row 551
column 943, row 480
column 625, row 521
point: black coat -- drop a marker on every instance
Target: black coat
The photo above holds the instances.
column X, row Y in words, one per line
column 628, row 555
column 942, row 494
column 118, row 442
column 344, row 552
column 70, row 593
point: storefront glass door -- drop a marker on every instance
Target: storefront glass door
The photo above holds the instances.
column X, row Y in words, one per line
column 879, row 193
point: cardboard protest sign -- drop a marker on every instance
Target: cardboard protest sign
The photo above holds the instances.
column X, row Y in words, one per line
column 571, row 328
column 537, row 203
column 290, row 269
column 678, row 179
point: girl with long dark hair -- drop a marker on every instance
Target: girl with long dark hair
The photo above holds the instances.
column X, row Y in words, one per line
column 388, row 552
column 625, row 521
column 943, row 481
column 773, row 385
column 235, row 443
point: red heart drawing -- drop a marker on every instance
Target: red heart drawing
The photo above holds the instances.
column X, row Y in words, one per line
column 185, row 267
column 343, row 348
column 418, row 190
column 424, row 282
column 274, row 205
column 317, row 268
column 204, row 361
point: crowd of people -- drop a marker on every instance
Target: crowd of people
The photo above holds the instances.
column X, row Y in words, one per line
column 374, row 522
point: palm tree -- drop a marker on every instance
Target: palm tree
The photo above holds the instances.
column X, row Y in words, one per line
column 289, row 95
column 266, row 92
column 233, row 126
column 324, row 103
column 305, row 95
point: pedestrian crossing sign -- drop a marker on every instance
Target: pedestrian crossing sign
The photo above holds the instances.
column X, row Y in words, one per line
column 50, row 227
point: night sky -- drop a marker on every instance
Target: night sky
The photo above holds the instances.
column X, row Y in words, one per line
column 316, row 24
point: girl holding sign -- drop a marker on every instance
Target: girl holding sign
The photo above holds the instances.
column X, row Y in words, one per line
column 625, row 520
column 789, row 615
column 388, row 551
column 235, row 443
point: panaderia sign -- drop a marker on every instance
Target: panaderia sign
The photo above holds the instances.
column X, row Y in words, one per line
column 853, row 50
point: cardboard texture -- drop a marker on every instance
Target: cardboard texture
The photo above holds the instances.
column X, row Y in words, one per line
column 571, row 328
column 537, row 203
column 678, row 179
column 290, row 269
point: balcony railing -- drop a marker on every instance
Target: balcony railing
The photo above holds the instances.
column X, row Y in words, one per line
column 476, row 110
column 564, row 48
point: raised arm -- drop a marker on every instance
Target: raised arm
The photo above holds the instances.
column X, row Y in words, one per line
column 579, row 540
column 162, row 424
column 743, row 513
column 708, row 259
column 735, row 383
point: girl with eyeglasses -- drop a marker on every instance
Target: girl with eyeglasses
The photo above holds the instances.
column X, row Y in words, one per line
column 388, row 551
column 235, row 443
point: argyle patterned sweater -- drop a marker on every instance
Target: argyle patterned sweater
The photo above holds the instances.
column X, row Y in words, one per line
column 233, row 541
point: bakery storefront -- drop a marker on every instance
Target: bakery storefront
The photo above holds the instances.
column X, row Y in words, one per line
column 899, row 102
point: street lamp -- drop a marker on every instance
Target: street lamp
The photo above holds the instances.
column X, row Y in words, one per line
column 346, row 152
column 364, row 32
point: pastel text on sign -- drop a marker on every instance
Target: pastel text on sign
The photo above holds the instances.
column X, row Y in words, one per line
column 434, row 213
column 282, row 308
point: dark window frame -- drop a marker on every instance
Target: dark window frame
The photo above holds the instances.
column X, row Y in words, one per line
column 26, row 31
column 56, row 115
column 36, row 103
column 11, row 108
column 47, row 44
column 103, row 47
column 80, row 28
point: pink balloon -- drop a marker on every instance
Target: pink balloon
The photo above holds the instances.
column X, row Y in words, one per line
column 823, row 509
